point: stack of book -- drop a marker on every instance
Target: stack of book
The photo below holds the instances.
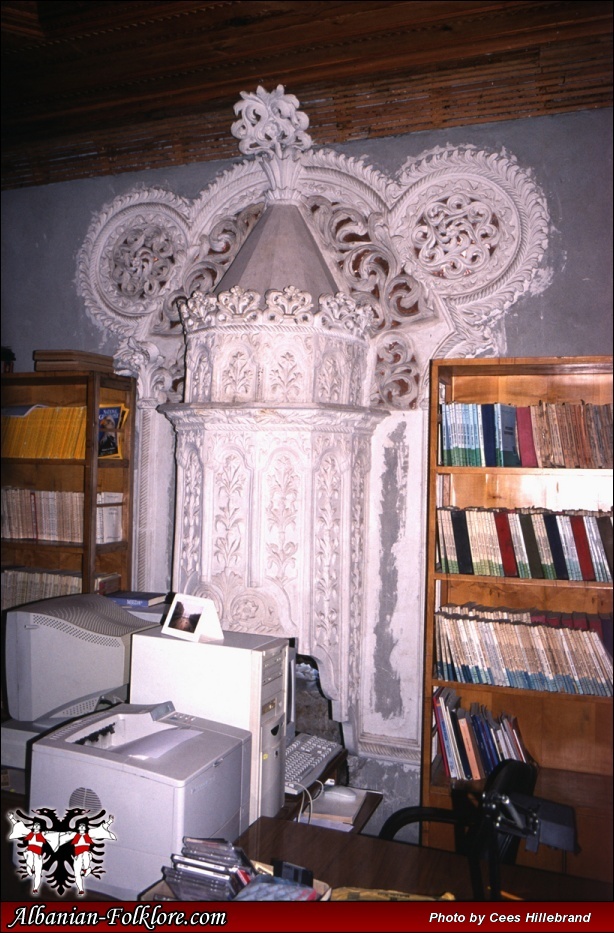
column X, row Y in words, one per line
column 472, row 742
column 530, row 649
column 548, row 434
column 208, row 870
column 49, row 515
column 526, row 542
column 73, row 360
column 27, row 584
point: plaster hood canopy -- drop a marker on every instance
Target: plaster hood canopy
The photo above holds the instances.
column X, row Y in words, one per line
column 276, row 329
column 279, row 252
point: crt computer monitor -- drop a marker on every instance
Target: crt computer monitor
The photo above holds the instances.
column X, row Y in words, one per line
column 66, row 654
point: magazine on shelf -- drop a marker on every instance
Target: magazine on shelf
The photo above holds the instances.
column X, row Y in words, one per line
column 110, row 421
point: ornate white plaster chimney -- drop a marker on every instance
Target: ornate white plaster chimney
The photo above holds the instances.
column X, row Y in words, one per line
column 273, row 435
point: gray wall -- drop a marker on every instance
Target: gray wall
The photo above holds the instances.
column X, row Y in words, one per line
column 569, row 155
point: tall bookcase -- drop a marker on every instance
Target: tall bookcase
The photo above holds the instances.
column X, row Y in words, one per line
column 569, row 735
column 83, row 472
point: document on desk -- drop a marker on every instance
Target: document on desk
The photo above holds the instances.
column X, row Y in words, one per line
column 338, row 809
column 330, row 824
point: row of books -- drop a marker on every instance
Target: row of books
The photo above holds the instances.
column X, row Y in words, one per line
column 548, row 434
column 50, row 515
column 473, row 742
column 526, row 542
column 42, row 432
column 525, row 648
column 27, row 584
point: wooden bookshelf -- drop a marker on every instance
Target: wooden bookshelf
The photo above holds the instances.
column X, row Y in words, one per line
column 87, row 474
column 569, row 735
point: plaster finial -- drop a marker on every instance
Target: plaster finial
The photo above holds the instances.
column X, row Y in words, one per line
column 271, row 124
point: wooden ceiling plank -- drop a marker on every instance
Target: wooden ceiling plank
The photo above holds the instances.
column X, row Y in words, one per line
column 357, row 53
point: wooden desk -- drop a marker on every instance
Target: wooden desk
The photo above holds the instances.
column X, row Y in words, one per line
column 348, row 860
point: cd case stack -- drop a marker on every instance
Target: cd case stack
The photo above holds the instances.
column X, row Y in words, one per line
column 208, row 870
column 216, row 870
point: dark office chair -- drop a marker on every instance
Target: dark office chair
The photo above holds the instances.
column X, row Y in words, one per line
column 476, row 830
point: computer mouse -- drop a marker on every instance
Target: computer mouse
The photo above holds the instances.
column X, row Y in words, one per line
column 337, row 792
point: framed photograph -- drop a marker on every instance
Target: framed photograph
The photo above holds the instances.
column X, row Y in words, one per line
column 193, row 618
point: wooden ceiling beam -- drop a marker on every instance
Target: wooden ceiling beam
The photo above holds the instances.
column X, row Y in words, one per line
column 108, row 78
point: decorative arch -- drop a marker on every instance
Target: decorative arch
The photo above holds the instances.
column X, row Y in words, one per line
column 425, row 263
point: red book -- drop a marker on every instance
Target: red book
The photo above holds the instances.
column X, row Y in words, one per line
column 506, row 545
column 594, row 623
column 582, row 547
column 524, row 430
column 580, row 621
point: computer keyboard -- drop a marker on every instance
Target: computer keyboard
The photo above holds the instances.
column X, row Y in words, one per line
column 306, row 759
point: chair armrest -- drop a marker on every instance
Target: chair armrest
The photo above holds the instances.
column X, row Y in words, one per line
column 408, row 815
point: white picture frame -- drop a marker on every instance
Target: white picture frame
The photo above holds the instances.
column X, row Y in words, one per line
column 192, row 618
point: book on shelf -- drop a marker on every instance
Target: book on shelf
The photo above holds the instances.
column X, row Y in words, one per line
column 109, row 517
column 137, row 598
column 461, row 540
column 583, row 549
column 556, row 444
column 440, row 731
column 442, row 561
column 604, row 524
column 506, row 543
column 543, row 543
column 603, row 572
column 568, row 543
column 536, row 570
column 458, row 764
column 556, row 555
column 505, row 433
column 483, row 738
column 488, row 428
column 449, row 541
column 470, row 742
column 524, row 437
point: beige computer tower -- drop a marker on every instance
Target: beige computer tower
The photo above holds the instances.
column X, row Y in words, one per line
column 242, row 682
